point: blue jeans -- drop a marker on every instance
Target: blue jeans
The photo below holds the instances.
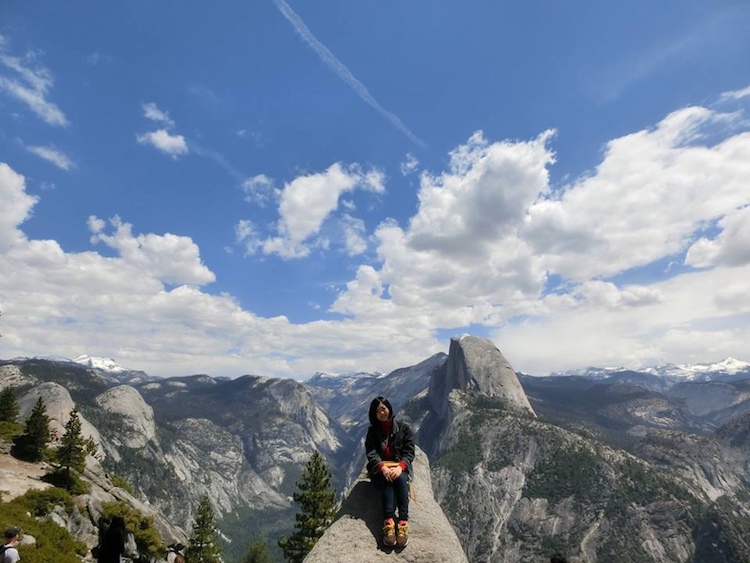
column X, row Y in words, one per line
column 393, row 493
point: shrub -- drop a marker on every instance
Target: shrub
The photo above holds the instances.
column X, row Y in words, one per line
column 53, row 543
column 146, row 536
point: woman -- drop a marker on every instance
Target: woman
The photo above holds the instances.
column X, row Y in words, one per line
column 390, row 452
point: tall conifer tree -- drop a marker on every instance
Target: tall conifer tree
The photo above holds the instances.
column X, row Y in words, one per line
column 203, row 545
column 317, row 507
column 257, row 553
column 8, row 405
column 30, row 445
column 73, row 447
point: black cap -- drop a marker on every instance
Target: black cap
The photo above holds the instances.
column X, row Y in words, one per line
column 12, row 532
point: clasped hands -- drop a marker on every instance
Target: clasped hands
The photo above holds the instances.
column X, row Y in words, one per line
column 391, row 473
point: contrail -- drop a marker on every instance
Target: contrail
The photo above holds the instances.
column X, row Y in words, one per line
column 340, row 69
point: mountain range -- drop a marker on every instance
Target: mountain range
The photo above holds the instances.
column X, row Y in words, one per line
column 601, row 464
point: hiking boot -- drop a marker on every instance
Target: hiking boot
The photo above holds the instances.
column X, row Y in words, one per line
column 402, row 535
column 389, row 533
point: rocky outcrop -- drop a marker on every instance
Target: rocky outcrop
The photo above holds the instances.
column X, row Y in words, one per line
column 138, row 427
column 475, row 364
column 59, row 404
column 356, row 531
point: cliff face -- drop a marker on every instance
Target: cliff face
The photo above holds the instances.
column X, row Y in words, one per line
column 356, row 531
column 518, row 489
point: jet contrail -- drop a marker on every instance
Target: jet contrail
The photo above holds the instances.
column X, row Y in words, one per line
column 340, row 69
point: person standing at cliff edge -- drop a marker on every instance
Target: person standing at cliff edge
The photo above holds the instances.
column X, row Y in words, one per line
column 390, row 452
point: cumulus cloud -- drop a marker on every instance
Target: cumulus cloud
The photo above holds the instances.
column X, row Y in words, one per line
column 152, row 112
column 162, row 140
column 57, row 302
column 490, row 235
column 169, row 258
column 16, row 207
column 166, row 142
column 645, row 201
column 28, row 82
column 460, row 260
column 53, row 155
column 307, row 201
column 730, row 248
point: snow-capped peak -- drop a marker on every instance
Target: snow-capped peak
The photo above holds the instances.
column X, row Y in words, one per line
column 730, row 366
column 104, row 364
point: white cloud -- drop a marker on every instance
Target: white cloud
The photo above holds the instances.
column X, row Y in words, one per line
column 63, row 303
column 460, row 261
column 489, row 233
column 30, row 84
column 730, row 248
column 735, row 95
column 53, row 155
column 694, row 317
column 169, row 258
column 409, row 165
column 354, row 235
column 654, row 190
column 307, row 201
column 16, row 207
column 173, row 145
column 152, row 112
column 258, row 189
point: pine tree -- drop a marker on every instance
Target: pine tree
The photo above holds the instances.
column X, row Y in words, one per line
column 203, row 545
column 30, row 445
column 8, row 405
column 317, row 507
column 258, row 553
column 73, row 447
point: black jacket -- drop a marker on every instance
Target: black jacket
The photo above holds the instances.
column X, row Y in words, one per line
column 402, row 445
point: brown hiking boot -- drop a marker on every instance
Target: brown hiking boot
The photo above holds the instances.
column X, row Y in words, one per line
column 389, row 533
column 402, row 535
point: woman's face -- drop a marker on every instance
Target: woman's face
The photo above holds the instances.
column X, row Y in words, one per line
column 382, row 413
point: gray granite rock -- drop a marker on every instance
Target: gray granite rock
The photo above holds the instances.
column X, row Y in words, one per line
column 356, row 531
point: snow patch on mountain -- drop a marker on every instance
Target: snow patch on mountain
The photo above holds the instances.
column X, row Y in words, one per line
column 104, row 364
column 689, row 372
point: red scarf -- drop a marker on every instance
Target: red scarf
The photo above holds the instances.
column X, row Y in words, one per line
column 388, row 453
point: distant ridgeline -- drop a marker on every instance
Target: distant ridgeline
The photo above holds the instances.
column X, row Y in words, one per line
column 600, row 466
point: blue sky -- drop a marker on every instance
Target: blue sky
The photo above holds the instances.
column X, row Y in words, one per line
column 279, row 187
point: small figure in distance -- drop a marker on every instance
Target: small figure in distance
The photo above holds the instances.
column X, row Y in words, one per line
column 390, row 452
column 112, row 543
column 8, row 552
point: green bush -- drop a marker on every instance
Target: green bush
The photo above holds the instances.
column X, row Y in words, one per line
column 53, row 543
column 9, row 430
column 41, row 503
column 147, row 538
column 119, row 481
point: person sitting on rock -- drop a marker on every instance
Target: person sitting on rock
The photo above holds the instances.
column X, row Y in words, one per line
column 390, row 452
